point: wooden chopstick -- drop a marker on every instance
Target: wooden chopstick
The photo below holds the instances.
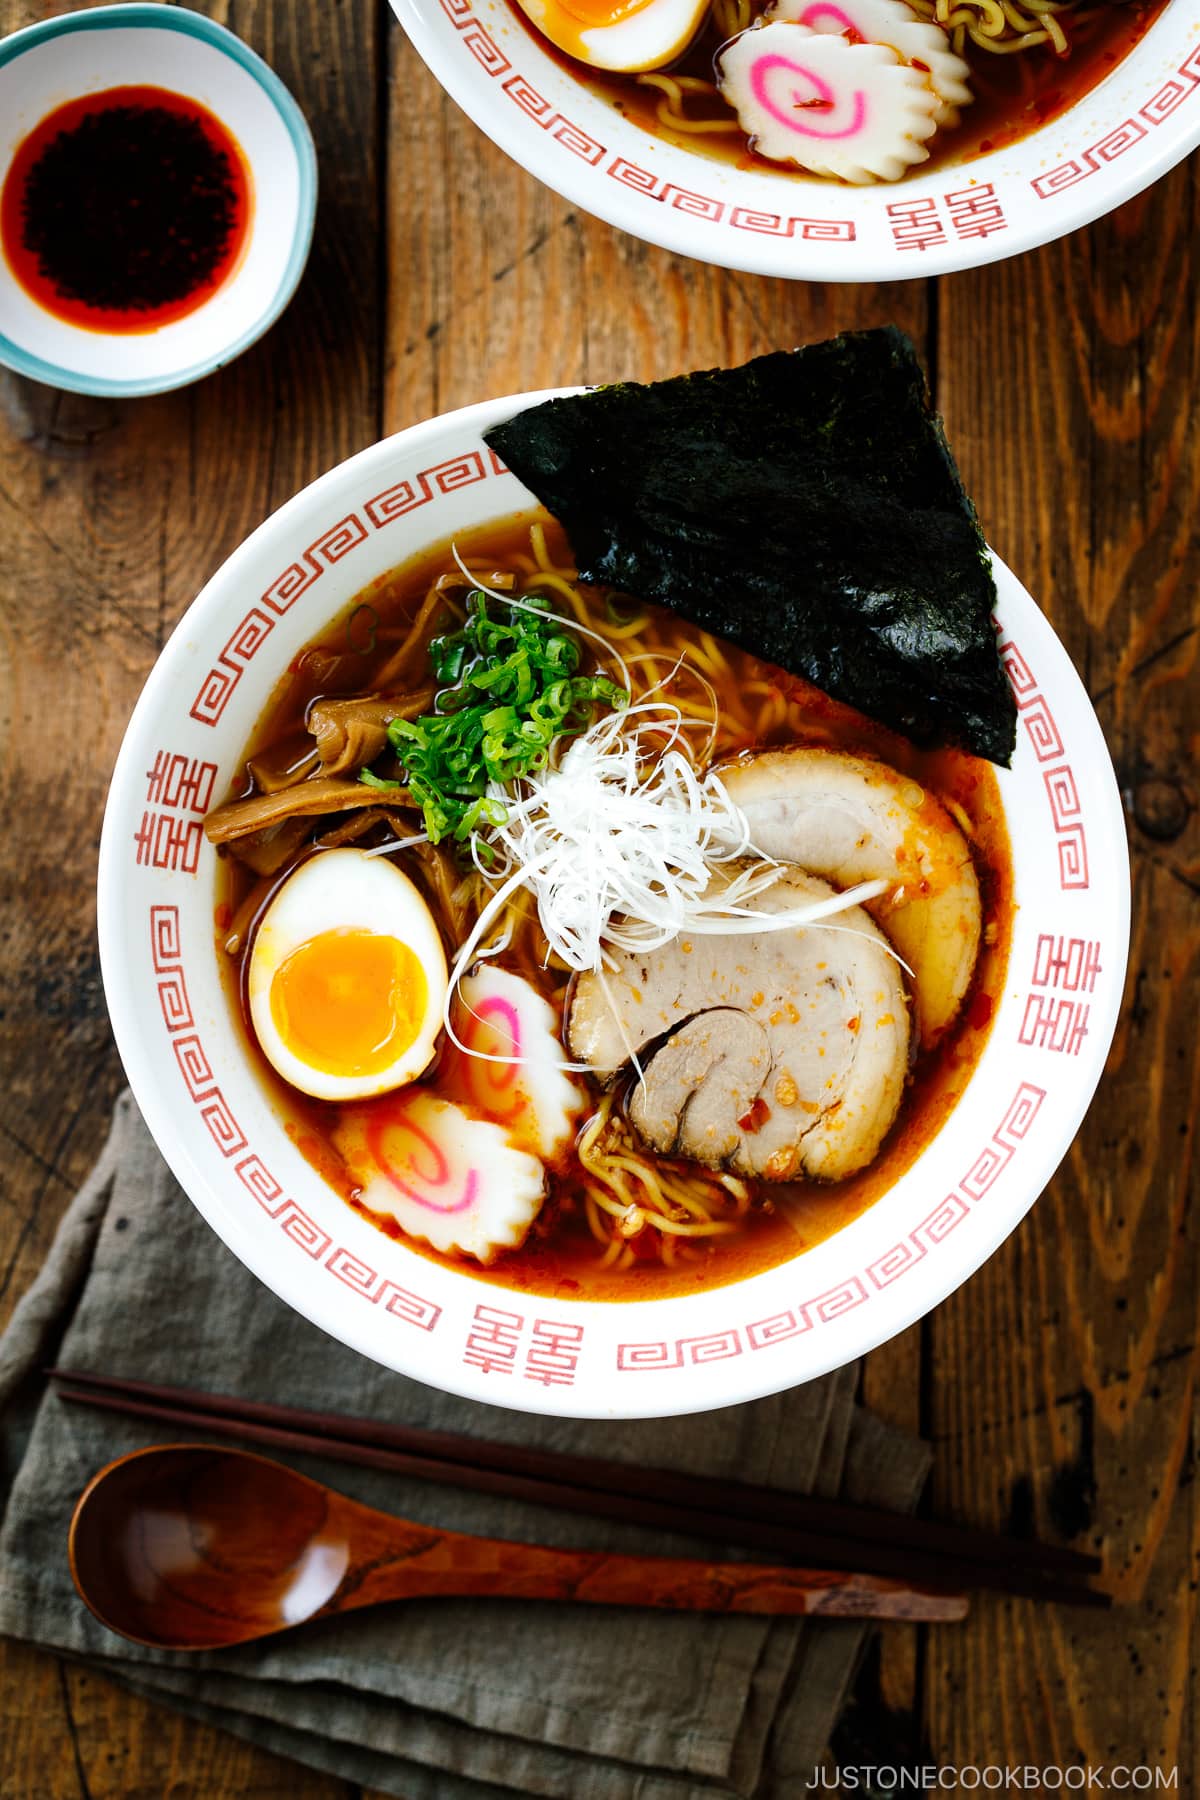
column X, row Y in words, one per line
column 724, row 1512
column 772, row 1505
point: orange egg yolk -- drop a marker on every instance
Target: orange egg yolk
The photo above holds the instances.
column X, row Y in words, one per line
column 349, row 1002
column 591, row 13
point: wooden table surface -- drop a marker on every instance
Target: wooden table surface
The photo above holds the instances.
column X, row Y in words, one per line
column 1057, row 1386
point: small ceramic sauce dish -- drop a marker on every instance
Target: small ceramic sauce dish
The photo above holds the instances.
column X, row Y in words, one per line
column 158, row 187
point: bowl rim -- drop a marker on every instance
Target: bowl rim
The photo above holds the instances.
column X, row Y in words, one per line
column 152, row 14
column 346, row 1324
column 509, row 129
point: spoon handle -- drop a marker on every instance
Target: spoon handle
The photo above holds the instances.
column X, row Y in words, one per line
column 450, row 1563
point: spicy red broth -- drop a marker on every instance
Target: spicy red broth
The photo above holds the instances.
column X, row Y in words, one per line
column 759, row 706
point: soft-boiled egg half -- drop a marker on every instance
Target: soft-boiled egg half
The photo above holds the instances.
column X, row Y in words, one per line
column 625, row 35
column 347, row 978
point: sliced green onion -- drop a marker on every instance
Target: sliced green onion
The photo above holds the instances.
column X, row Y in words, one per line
column 508, row 689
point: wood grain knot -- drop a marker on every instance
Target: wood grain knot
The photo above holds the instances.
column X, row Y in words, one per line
column 1161, row 808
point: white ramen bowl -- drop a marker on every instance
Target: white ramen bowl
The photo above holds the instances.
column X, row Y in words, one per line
column 1136, row 124
column 151, row 45
column 210, row 1113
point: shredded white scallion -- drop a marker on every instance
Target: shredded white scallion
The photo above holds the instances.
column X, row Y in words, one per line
column 625, row 837
column 619, row 841
column 393, row 844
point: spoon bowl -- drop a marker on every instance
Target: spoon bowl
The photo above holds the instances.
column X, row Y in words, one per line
column 189, row 1547
column 185, row 1547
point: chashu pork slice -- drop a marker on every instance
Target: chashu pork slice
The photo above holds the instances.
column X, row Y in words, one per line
column 774, row 1053
column 851, row 819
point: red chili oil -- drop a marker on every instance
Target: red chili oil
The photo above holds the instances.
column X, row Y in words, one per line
column 125, row 209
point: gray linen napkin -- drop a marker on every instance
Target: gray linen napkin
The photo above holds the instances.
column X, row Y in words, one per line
column 440, row 1700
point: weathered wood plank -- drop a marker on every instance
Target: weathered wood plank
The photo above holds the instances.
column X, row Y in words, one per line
column 1063, row 1375
column 1060, row 1383
column 112, row 516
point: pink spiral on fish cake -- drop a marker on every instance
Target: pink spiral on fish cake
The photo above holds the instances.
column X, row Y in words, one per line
column 492, row 1086
column 495, row 1080
column 825, row 9
column 824, row 96
column 387, row 1124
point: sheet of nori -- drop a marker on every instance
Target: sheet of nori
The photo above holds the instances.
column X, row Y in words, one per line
column 806, row 507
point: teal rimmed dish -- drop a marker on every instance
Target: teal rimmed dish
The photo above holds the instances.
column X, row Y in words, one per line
column 146, row 43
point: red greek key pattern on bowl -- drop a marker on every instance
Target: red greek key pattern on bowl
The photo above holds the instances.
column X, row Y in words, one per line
column 778, row 1326
column 941, row 1221
column 490, row 58
column 295, row 1223
column 518, row 88
column 642, row 181
column 1114, row 143
column 200, row 1084
column 329, row 548
column 896, row 1261
column 258, row 1180
column 715, row 1346
column 835, row 1301
column 223, row 1128
column 1008, row 1134
column 989, row 1164
column 1066, row 812
column 1174, row 91
column 194, row 1066
column 241, row 647
column 173, row 999
column 486, row 52
column 176, row 1010
column 664, row 1354
column 1062, row 792
column 827, row 231
column 742, row 218
column 443, row 478
column 371, row 1285
column 819, row 1311
column 949, row 1215
column 164, row 938
column 335, row 541
column 572, row 137
column 1179, row 87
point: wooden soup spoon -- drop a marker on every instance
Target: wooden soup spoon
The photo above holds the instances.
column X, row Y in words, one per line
column 186, row 1547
